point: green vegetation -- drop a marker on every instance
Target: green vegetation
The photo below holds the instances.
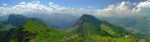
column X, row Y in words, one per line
column 2, row 26
column 86, row 29
column 36, row 32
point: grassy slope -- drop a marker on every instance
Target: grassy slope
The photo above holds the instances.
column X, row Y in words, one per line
column 39, row 33
column 48, row 34
column 36, row 32
column 90, row 29
column 114, row 33
column 2, row 26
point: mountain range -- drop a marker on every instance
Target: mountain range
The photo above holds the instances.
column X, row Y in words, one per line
column 86, row 28
column 137, row 24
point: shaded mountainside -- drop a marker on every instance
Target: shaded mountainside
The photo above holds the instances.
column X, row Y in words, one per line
column 87, row 23
column 13, row 21
column 143, row 24
column 16, row 20
column 3, row 18
column 5, row 27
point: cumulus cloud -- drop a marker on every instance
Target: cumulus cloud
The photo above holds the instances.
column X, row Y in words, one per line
column 125, row 9
column 144, row 7
column 122, row 9
column 36, row 7
column 144, row 4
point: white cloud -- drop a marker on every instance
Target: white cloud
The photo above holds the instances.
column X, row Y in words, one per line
column 148, row 0
column 144, row 4
column 122, row 9
column 36, row 7
column 144, row 7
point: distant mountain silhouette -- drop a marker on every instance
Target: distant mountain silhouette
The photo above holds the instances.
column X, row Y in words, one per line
column 16, row 20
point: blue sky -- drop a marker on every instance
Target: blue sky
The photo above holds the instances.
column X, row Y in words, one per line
column 97, row 4
column 107, row 8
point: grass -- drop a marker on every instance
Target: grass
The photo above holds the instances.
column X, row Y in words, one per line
column 88, row 34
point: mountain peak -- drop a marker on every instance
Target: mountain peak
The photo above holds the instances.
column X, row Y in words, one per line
column 16, row 20
column 88, row 18
column 15, row 15
column 86, row 15
column 87, row 24
column 90, row 25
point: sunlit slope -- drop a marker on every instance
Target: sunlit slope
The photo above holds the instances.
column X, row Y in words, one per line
column 93, row 30
column 86, row 29
column 36, row 32
column 90, row 25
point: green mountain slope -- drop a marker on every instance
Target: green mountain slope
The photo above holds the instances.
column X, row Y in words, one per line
column 90, row 25
column 87, row 25
column 143, row 24
column 95, row 30
column 87, row 29
column 35, row 32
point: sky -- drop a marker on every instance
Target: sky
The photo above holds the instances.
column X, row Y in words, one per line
column 106, row 8
column 98, row 4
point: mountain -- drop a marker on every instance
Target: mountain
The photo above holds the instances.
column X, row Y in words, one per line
column 147, row 37
column 87, row 24
column 126, row 22
column 86, row 29
column 91, row 29
column 16, row 20
column 90, row 25
column 143, row 24
column 3, row 18
column 4, row 26
column 0, row 18
column 33, row 31
column 137, row 24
